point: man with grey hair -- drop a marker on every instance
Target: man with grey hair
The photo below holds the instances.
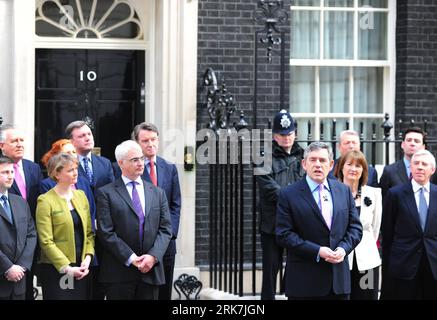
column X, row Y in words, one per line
column 163, row 174
column 318, row 224
column 350, row 140
column 134, row 228
column 409, row 232
column 27, row 178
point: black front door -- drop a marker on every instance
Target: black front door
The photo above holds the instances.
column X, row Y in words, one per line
column 105, row 85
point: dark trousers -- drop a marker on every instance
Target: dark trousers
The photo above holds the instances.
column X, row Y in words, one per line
column 30, row 294
column 166, row 289
column 364, row 284
column 422, row 287
column 97, row 290
column 56, row 286
column 14, row 297
column 272, row 258
column 137, row 290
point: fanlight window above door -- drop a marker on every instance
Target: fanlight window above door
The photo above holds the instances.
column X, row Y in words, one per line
column 87, row 19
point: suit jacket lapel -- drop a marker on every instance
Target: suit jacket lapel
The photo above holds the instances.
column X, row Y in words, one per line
column 122, row 191
column 160, row 172
column 146, row 175
column 334, row 192
column 431, row 219
column 21, row 228
column 402, row 171
column 308, row 196
column 15, row 189
column 3, row 214
column 27, row 177
column 148, row 199
column 411, row 203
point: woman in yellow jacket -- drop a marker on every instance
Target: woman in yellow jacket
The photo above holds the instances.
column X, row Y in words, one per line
column 66, row 239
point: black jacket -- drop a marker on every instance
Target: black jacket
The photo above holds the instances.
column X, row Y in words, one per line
column 286, row 169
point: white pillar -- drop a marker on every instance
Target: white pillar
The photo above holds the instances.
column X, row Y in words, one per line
column 176, row 65
column 23, row 33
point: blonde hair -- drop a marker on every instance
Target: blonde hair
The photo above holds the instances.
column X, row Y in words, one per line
column 58, row 162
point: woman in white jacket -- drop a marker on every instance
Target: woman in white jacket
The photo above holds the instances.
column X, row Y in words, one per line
column 364, row 261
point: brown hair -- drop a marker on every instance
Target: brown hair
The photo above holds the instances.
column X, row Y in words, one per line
column 143, row 126
column 58, row 162
column 56, row 148
column 356, row 157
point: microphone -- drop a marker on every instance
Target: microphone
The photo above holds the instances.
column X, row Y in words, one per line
column 325, row 197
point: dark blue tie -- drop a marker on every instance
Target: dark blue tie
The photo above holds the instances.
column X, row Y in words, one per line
column 423, row 208
column 7, row 208
column 138, row 208
column 88, row 171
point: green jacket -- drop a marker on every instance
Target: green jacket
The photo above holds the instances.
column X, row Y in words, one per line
column 56, row 231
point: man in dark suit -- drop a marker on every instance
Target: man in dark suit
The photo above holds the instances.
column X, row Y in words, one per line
column 318, row 224
column 165, row 176
column 96, row 169
column 409, row 231
column 350, row 140
column 27, row 178
column 134, row 227
column 399, row 172
column 98, row 172
column 17, row 237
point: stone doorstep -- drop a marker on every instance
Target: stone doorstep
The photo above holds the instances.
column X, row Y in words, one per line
column 214, row 294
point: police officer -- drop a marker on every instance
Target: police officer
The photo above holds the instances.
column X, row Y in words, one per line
column 286, row 169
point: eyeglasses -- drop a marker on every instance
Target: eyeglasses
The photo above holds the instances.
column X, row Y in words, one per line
column 137, row 160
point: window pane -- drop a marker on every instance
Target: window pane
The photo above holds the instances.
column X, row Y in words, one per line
column 374, row 3
column 339, row 3
column 334, row 89
column 339, row 35
column 304, row 125
column 368, row 90
column 368, row 132
column 302, row 90
column 305, row 35
column 372, row 36
column 306, row 3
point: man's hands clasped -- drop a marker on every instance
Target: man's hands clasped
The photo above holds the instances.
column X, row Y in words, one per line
column 144, row 263
column 330, row 256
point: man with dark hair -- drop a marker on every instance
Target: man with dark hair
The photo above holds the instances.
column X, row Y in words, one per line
column 318, row 224
column 399, row 172
column 27, row 178
column 17, row 237
column 286, row 169
column 96, row 169
column 163, row 174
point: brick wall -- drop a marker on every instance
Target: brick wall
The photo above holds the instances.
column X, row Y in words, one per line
column 416, row 78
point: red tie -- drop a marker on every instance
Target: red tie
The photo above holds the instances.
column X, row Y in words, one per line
column 152, row 173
